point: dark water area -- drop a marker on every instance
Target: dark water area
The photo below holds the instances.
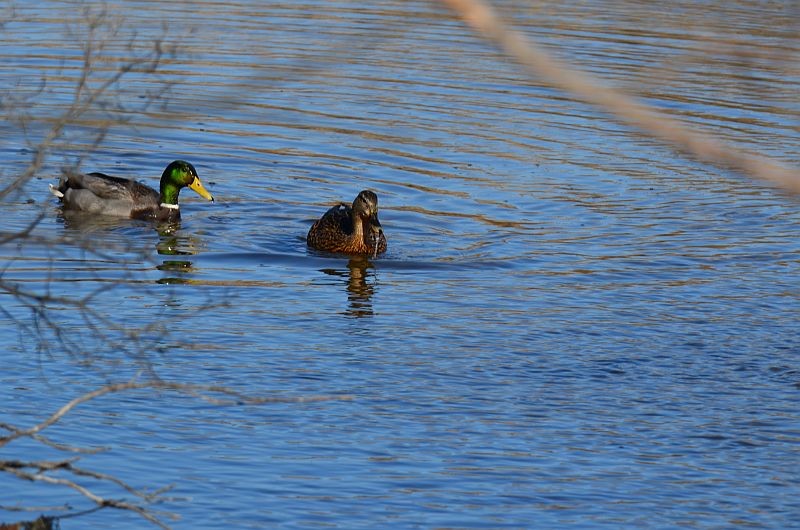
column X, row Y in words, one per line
column 573, row 327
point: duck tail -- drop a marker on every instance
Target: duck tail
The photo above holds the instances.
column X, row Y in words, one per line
column 55, row 191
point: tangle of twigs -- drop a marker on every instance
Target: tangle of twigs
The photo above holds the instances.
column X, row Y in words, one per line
column 43, row 470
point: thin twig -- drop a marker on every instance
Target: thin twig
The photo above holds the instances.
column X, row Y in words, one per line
column 100, row 501
column 84, row 98
column 55, row 445
column 199, row 391
column 37, row 470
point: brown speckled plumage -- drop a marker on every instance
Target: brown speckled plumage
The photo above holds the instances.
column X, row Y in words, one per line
column 350, row 229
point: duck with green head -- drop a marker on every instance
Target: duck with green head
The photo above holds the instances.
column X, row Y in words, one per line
column 100, row 194
column 350, row 229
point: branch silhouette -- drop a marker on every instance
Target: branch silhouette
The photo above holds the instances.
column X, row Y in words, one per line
column 42, row 470
column 96, row 90
column 481, row 17
column 85, row 96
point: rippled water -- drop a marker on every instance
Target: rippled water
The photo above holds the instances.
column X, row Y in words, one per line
column 573, row 327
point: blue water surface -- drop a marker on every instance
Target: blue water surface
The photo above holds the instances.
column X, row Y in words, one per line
column 574, row 326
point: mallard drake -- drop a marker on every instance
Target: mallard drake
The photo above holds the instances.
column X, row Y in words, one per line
column 101, row 194
column 350, row 229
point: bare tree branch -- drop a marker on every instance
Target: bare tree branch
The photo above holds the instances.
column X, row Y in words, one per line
column 38, row 470
column 482, row 18
column 9, row 467
column 199, row 391
column 86, row 97
column 55, row 445
column 93, row 87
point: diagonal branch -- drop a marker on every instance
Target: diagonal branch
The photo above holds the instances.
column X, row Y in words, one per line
column 55, row 445
column 199, row 391
column 482, row 18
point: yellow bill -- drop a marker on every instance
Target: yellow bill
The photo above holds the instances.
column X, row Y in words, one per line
column 198, row 187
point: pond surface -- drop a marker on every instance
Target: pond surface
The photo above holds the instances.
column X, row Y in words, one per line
column 573, row 327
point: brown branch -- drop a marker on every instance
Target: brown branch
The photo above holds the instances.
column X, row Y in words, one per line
column 19, row 508
column 100, row 501
column 199, row 391
column 7, row 237
column 55, row 445
column 84, row 97
column 117, row 336
column 37, row 470
column 482, row 18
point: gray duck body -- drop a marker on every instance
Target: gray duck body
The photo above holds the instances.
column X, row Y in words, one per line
column 101, row 194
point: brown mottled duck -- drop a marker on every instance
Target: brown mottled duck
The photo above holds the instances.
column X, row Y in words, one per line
column 100, row 194
column 350, row 229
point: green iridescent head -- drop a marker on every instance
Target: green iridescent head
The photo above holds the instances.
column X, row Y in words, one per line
column 177, row 176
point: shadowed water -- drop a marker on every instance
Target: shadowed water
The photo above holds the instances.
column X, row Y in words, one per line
column 573, row 326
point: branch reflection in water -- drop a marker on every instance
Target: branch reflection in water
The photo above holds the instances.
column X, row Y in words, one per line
column 361, row 282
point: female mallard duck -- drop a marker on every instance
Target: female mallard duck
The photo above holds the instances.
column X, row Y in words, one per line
column 350, row 230
column 101, row 194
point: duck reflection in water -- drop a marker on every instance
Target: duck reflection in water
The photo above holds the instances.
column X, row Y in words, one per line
column 359, row 289
column 346, row 229
column 171, row 244
column 87, row 223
